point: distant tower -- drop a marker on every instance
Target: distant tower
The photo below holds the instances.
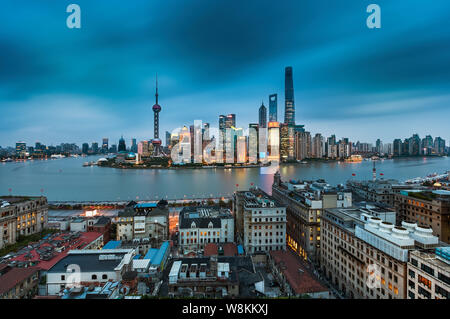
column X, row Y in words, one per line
column 374, row 172
column 289, row 106
column 262, row 116
column 157, row 148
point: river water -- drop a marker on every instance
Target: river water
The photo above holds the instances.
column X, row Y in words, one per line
column 67, row 180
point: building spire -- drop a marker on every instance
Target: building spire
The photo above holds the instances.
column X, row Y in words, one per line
column 156, row 94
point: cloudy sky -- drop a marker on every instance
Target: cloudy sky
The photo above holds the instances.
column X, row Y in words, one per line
column 223, row 56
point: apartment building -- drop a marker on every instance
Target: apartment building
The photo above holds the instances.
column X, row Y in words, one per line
column 305, row 202
column 429, row 208
column 260, row 220
column 429, row 274
column 21, row 216
column 143, row 221
column 365, row 256
column 199, row 226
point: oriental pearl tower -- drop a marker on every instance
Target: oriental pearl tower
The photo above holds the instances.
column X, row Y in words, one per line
column 157, row 148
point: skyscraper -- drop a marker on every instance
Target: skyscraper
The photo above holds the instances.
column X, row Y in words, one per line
column 273, row 107
column 134, row 147
column 157, row 148
column 262, row 116
column 105, row 145
column 230, row 121
column 122, row 146
column 289, row 107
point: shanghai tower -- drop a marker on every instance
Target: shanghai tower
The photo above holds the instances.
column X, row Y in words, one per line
column 289, row 106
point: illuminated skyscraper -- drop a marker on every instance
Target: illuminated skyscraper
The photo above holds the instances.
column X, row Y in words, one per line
column 289, row 106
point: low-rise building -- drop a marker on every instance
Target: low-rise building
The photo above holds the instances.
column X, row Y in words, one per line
column 199, row 226
column 260, row 220
column 18, row 283
column 85, row 267
column 429, row 274
column 213, row 277
column 21, row 216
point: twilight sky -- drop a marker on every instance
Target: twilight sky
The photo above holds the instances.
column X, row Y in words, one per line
column 218, row 57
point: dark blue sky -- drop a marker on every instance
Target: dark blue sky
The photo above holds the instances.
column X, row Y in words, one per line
column 217, row 57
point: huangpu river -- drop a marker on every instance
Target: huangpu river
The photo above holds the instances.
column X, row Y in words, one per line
column 66, row 179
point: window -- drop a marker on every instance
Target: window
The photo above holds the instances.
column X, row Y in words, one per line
column 444, row 278
column 424, row 293
column 424, row 281
column 94, row 277
column 414, row 262
column 63, row 277
column 427, row 269
column 105, row 276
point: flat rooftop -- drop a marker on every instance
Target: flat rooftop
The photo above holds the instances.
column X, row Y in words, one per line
column 47, row 252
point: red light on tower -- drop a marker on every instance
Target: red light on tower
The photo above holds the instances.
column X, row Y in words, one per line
column 353, row 174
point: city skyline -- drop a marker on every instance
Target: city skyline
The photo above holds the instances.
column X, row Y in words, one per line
column 343, row 86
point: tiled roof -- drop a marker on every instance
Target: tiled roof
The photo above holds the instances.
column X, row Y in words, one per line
column 230, row 249
column 15, row 276
column 302, row 282
column 210, row 249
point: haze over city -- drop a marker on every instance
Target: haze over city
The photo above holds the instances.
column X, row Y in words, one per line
column 62, row 85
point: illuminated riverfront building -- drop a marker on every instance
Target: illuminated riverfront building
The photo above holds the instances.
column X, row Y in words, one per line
column 274, row 141
column 287, row 141
column 253, row 143
column 241, row 149
column 21, row 149
column 302, row 145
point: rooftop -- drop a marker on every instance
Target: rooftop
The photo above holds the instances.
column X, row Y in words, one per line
column 299, row 278
column 202, row 216
column 47, row 252
column 12, row 276
column 91, row 260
